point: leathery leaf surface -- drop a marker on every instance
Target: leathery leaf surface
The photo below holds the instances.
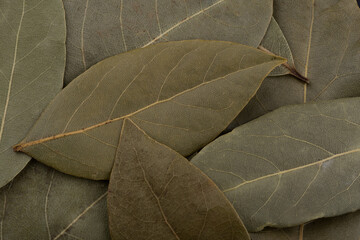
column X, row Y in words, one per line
column 182, row 94
column 155, row 193
column 290, row 166
column 32, row 63
column 324, row 38
column 275, row 42
column 100, row 29
column 342, row 227
column 42, row 203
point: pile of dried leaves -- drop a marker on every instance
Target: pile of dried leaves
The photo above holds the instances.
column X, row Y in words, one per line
column 152, row 82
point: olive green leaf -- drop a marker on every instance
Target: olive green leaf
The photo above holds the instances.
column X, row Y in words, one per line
column 100, row 29
column 290, row 166
column 275, row 42
column 182, row 94
column 155, row 193
column 324, row 38
column 32, row 63
column 341, row 227
column 292, row 233
column 41, row 203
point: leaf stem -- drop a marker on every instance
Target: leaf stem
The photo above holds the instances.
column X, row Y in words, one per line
column 292, row 70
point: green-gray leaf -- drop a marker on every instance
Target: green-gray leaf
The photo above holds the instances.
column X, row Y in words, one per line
column 100, row 29
column 155, row 193
column 324, row 38
column 275, row 42
column 341, row 227
column 41, row 203
column 182, row 94
column 290, row 166
column 32, row 53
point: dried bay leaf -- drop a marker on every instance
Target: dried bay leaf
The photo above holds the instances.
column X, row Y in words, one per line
column 32, row 53
column 292, row 233
column 275, row 42
column 290, row 166
column 155, row 193
column 41, row 203
column 342, row 227
column 182, row 94
column 324, row 39
column 100, row 29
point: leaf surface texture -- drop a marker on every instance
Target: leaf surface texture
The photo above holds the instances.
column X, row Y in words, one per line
column 324, row 39
column 32, row 53
column 341, row 227
column 293, row 165
column 182, row 94
column 42, row 203
column 275, row 42
column 100, row 29
column 155, row 193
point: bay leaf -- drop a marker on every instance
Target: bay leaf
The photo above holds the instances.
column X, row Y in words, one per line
column 41, row 203
column 275, row 42
column 155, row 193
column 100, row 29
column 324, row 39
column 182, row 94
column 293, row 165
column 32, row 53
column 292, row 233
column 342, row 227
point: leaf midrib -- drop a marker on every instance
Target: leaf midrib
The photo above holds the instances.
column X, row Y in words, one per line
column 310, row 38
column 292, row 169
column 155, row 196
column 12, row 73
column 181, row 22
column 308, row 48
column 80, row 215
column 20, row 146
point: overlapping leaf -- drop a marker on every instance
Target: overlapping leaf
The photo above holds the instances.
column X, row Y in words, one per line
column 275, row 42
column 32, row 62
column 182, row 94
column 342, row 227
column 290, row 166
column 155, row 193
column 100, row 29
column 324, row 39
column 41, row 203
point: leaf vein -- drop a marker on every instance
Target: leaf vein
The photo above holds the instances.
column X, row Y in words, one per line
column 269, row 198
column 20, row 146
column 133, row 80
column 122, row 25
column 309, row 185
column 293, row 169
column 46, row 205
column 80, row 215
column 173, row 69
column 70, row 158
column 12, row 73
column 155, row 196
column 87, row 98
column 82, row 35
column 182, row 22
